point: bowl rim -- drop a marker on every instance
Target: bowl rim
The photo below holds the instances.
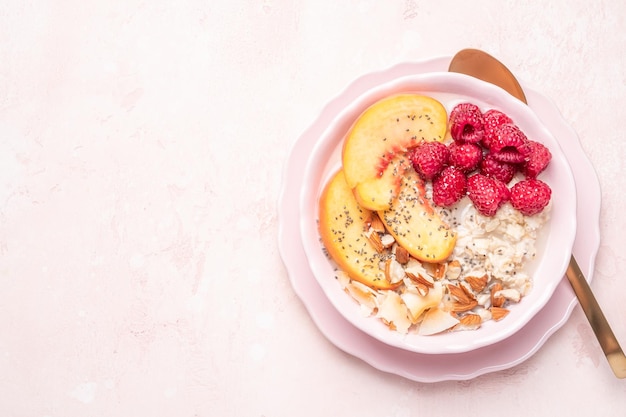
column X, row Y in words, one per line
column 318, row 169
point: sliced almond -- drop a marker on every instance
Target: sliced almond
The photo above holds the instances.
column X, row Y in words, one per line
column 463, row 307
column 477, row 283
column 467, row 290
column 420, row 279
column 374, row 239
column 459, row 294
column 498, row 313
column 471, row 321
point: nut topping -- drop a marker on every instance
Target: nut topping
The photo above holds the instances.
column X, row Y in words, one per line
column 477, row 283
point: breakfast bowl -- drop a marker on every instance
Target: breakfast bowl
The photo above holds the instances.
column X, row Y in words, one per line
column 430, row 288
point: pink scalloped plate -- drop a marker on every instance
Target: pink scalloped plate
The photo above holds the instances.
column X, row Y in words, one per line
column 419, row 366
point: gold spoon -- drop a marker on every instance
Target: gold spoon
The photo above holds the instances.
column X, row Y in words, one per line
column 485, row 67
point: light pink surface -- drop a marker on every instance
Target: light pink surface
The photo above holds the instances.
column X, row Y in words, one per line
column 142, row 147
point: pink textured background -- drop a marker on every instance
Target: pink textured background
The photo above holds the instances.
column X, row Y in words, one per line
column 142, row 145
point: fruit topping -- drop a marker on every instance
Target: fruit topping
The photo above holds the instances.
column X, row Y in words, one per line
column 493, row 168
column 449, row 187
column 414, row 224
column 466, row 123
column 538, row 158
column 510, row 144
column 530, row 196
column 487, row 194
column 493, row 119
column 429, row 158
column 374, row 149
column 482, row 168
column 465, row 156
column 502, row 191
column 342, row 222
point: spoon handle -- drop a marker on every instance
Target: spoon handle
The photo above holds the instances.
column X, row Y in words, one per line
column 599, row 324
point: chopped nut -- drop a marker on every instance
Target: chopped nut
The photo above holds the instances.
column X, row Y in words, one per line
column 374, row 239
column 377, row 224
column 477, row 283
column 468, row 290
column 498, row 313
column 497, row 300
column 461, row 307
column 471, row 320
column 459, row 294
column 420, row 279
column 402, row 255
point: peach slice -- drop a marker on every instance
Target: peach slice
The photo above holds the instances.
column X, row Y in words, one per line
column 414, row 224
column 373, row 151
column 343, row 228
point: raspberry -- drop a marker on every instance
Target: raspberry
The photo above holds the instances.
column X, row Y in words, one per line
column 493, row 168
column 429, row 158
column 502, row 190
column 487, row 194
column 530, row 196
column 493, row 119
column 449, row 187
column 466, row 123
column 465, row 156
column 510, row 144
column 537, row 160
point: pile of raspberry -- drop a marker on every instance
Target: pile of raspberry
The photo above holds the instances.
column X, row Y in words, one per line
column 487, row 151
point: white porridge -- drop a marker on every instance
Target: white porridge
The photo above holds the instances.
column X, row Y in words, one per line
column 486, row 274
